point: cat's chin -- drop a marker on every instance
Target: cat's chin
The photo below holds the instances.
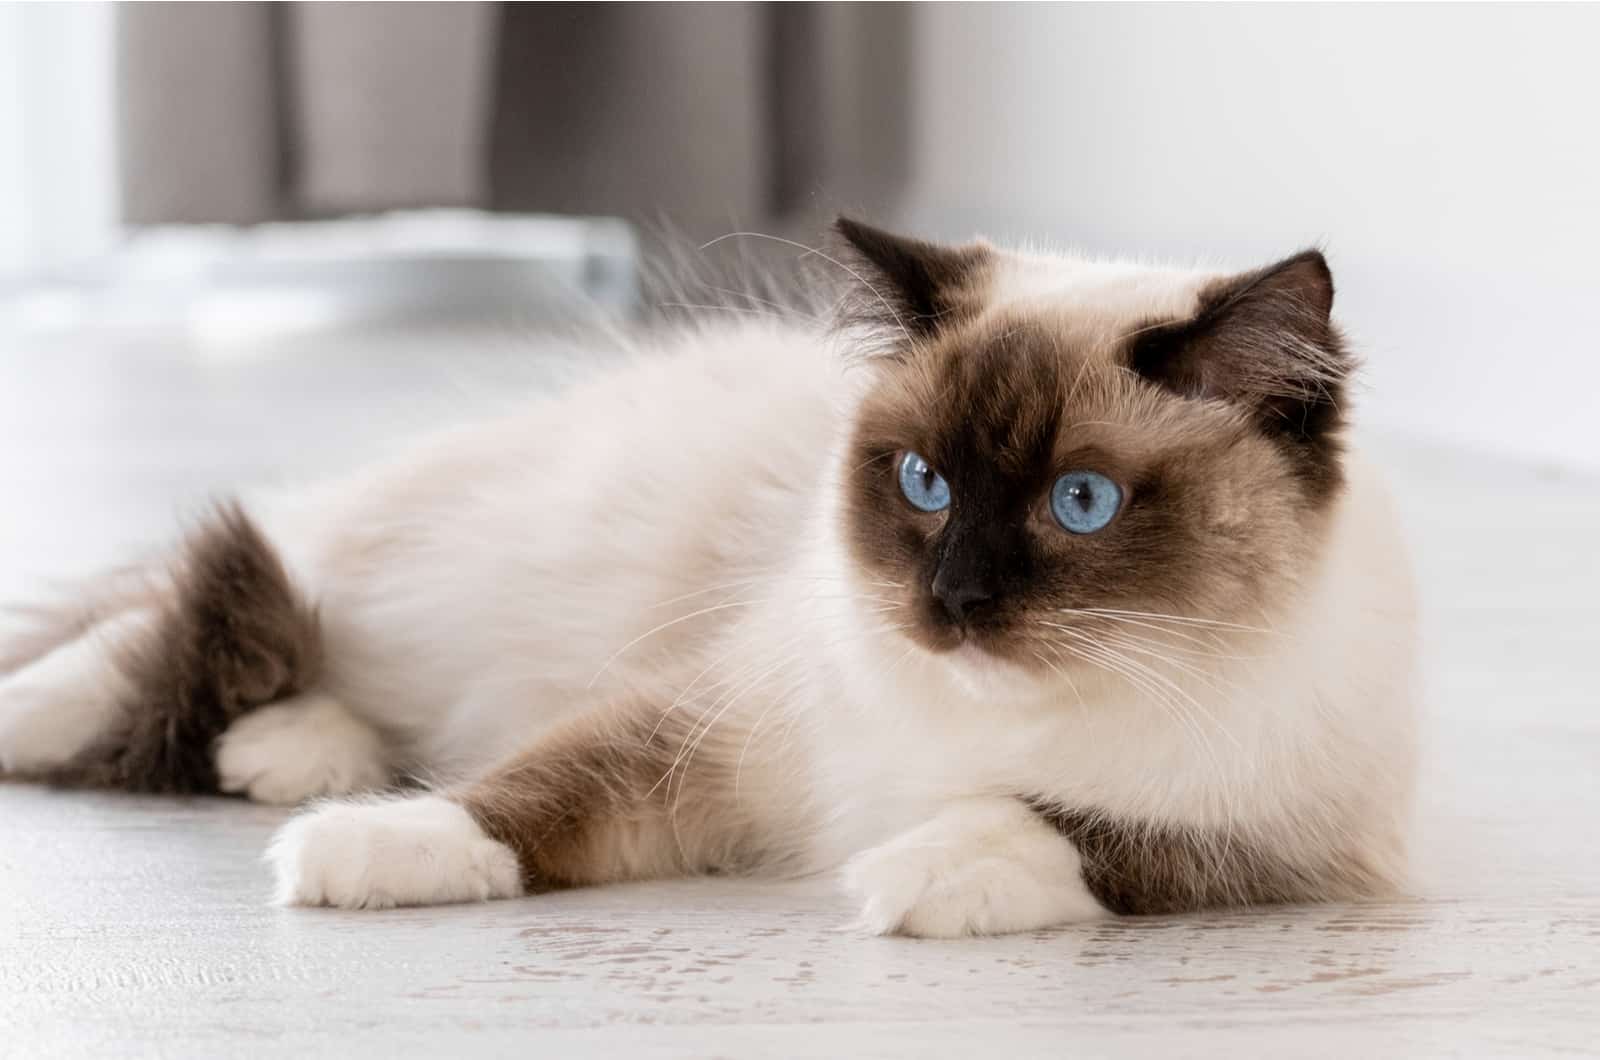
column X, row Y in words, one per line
column 981, row 672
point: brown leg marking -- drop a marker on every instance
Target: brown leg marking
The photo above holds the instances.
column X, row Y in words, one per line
column 599, row 800
column 229, row 633
column 1138, row 870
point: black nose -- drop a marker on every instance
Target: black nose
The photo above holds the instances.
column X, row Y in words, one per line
column 961, row 599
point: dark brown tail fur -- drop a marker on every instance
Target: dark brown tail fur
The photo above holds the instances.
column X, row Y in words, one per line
column 227, row 634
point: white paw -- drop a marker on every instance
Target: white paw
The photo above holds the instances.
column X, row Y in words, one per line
column 985, row 867
column 58, row 705
column 300, row 748
column 376, row 854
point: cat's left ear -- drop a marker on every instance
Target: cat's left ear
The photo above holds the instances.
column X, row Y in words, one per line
column 909, row 287
column 1264, row 340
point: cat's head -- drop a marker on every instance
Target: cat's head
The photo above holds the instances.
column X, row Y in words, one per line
column 1051, row 448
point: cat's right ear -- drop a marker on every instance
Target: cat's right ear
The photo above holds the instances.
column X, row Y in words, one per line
column 908, row 287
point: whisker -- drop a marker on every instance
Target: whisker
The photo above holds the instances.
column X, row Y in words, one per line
column 1205, row 677
column 1180, row 619
column 750, row 737
column 773, row 303
column 664, row 626
column 1202, row 650
column 1191, row 635
column 899, row 323
column 1063, row 674
column 871, row 460
column 693, row 743
column 709, row 308
column 736, row 685
column 1161, row 681
column 726, row 605
column 772, row 579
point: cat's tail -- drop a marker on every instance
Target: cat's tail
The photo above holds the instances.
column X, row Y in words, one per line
column 130, row 686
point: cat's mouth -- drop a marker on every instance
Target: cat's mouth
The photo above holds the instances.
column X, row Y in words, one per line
column 969, row 651
column 965, row 640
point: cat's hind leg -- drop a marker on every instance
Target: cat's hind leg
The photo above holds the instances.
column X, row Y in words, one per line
column 57, row 706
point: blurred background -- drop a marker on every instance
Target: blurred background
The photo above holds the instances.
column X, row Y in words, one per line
column 246, row 244
column 216, row 176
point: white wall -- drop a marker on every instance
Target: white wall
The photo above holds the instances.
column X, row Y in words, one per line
column 58, row 176
column 1446, row 157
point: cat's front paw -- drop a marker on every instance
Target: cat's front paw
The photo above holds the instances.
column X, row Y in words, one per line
column 376, row 854
column 982, row 868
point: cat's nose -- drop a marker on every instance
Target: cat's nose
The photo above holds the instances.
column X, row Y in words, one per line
column 961, row 599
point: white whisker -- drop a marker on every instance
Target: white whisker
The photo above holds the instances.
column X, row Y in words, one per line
column 862, row 280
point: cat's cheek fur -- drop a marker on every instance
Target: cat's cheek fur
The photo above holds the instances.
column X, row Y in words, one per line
column 983, row 866
column 380, row 853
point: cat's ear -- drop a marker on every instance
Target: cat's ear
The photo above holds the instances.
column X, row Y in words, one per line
column 1264, row 340
column 907, row 286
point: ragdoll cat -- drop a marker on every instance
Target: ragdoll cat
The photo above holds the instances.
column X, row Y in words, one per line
column 1031, row 591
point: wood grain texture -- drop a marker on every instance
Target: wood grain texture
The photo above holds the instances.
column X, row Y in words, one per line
column 139, row 927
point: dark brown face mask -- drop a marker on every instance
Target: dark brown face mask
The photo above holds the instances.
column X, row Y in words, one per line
column 1012, row 474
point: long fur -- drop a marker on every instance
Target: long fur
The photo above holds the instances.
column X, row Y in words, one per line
column 676, row 586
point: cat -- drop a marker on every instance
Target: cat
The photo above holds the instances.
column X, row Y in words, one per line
column 1029, row 590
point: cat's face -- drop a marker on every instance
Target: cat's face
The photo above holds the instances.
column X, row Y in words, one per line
column 1108, row 452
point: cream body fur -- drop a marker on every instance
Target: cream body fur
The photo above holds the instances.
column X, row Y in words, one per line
column 674, row 528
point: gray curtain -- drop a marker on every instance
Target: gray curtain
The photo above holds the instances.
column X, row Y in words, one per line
column 699, row 115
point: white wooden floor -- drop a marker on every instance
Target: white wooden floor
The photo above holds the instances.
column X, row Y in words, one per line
column 140, row 927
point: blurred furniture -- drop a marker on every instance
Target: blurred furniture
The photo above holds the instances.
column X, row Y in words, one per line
column 697, row 114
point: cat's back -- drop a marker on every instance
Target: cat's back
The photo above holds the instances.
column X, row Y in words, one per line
column 520, row 554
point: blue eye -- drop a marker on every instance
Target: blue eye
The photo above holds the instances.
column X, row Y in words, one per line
column 924, row 487
column 1084, row 501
